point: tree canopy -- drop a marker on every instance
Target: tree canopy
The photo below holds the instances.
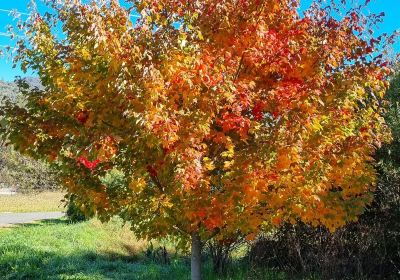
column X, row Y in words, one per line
column 219, row 116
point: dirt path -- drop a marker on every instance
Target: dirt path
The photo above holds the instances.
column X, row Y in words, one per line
column 8, row 219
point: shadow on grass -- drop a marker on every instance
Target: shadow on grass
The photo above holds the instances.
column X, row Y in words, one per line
column 48, row 222
column 39, row 223
column 64, row 251
column 24, row 262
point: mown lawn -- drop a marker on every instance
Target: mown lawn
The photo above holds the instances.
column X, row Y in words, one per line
column 33, row 202
column 90, row 250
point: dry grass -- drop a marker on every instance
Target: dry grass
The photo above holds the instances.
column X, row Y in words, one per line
column 36, row 202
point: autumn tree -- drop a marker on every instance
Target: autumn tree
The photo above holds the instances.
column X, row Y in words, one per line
column 223, row 117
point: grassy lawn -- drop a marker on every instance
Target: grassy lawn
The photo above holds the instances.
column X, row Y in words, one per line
column 36, row 202
column 91, row 250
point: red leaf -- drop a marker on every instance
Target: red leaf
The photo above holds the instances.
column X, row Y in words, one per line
column 152, row 171
column 258, row 111
column 87, row 163
column 82, row 116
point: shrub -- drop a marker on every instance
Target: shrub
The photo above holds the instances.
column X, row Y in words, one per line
column 74, row 212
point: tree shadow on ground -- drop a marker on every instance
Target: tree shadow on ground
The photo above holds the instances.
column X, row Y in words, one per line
column 49, row 222
column 39, row 223
column 25, row 262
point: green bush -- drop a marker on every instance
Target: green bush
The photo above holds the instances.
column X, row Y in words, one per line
column 74, row 212
column 114, row 179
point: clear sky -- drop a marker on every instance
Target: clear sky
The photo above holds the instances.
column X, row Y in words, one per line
column 390, row 7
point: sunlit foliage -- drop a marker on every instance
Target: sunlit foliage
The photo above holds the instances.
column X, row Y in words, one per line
column 222, row 116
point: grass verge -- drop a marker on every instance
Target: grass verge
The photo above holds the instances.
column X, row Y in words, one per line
column 35, row 202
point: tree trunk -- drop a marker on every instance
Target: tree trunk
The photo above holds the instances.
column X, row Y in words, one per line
column 196, row 256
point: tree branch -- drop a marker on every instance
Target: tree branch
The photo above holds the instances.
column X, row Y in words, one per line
column 240, row 66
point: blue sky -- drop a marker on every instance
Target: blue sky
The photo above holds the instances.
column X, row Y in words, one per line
column 391, row 8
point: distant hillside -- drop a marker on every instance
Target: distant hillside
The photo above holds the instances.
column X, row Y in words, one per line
column 33, row 82
column 16, row 170
column 10, row 89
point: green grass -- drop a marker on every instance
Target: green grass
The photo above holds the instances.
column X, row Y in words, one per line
column 91, row 250
column 35, row 202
